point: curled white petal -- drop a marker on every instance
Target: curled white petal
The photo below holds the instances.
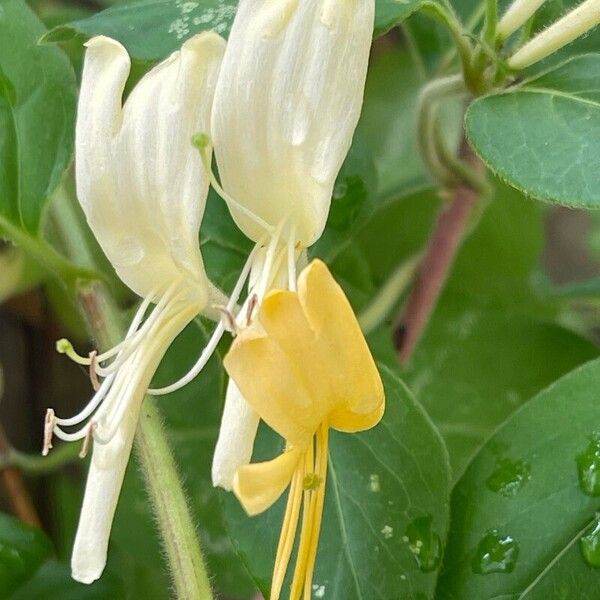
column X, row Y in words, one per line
column 236, row 438
column 287, row 102
column 139, row 179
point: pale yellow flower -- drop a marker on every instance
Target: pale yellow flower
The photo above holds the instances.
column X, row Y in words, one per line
column 304, row 367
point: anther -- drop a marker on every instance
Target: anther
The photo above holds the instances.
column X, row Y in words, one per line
column 48, row 430
column 230, row 324
column 87, row 440
column 92, row 370
column 252, row 303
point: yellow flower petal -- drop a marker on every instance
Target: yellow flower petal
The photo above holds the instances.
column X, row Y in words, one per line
column 353, row 375
column 309, row 363
column 259, row 485
column 272, row 386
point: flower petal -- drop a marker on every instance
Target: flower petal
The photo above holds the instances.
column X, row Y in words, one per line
column 259, row 485
column 236, row 437
column 286, row 106
column 272, row 386
column 145, row 199
column 104, row 481
column 353, row 374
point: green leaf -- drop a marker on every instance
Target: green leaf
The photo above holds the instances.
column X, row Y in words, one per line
column 475, row 366
column 385, row 486
column 22, row 551
column 541, row 136
column 37, row 106
column 152, row 29
column 534, row 482
column 389, row 13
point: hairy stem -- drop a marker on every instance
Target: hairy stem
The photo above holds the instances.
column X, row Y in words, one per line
column 175, row 523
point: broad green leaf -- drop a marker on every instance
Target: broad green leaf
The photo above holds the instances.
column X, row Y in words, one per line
column 549, row 130
column 520, row 511
column 22, row 551
column 152, row 29
column 37, row 106
column 385, row 486
column 475, row 366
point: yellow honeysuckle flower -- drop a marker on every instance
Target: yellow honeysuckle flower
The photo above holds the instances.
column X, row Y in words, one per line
column 304, row 367
column 287, row 102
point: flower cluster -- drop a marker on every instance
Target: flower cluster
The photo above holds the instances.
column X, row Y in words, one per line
column 278, row 105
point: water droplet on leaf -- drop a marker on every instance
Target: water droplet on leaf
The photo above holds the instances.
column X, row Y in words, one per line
column 588, row 467
column 509, row 476
column 424, row 543
column 496, row 553
column 590, row 543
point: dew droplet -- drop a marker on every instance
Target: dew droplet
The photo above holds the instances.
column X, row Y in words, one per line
column 590, row 543
column 588, row 467
column 496, row 553
column 509, row 476
column 424, row 543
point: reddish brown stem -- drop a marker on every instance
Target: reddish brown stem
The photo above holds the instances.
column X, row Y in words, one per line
column 449, row 231
column 12, row 482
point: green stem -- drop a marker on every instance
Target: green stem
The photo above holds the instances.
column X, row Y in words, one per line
column 429, row 98
column 446, row 16
column 491, row 21
column 175, row 523
column 45, row 254
column 35, row 464
column 389, row 294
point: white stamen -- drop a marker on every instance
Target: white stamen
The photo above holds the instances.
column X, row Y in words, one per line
column 218, row 332
column 206, row 156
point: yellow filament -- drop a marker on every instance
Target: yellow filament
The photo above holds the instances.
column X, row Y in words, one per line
column 288, row 532
column 311, row 520
column 321, row 462
column 307, row 518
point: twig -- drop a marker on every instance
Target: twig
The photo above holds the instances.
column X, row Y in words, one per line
column 12, row 481
column 449, row 231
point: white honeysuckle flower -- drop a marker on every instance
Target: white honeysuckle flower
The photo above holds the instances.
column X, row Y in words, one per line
column 143, row 189
column 287, row 103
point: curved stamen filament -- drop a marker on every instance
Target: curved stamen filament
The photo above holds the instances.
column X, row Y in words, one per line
column 218, row 332
column 288, row 532
column 170, row 310
column 90, row 407
column 63, row 346
column 205, row 156
column 321, row 470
